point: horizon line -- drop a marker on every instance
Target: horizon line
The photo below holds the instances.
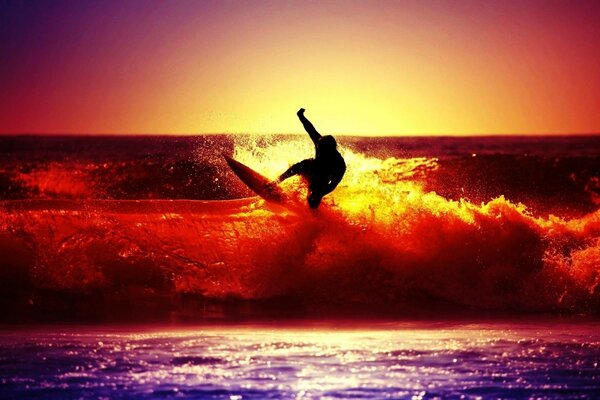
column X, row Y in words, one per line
column 458, row 135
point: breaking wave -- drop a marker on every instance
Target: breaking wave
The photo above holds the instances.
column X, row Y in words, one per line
column 381, row 241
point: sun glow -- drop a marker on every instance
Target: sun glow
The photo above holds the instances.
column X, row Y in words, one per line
column 373, row 68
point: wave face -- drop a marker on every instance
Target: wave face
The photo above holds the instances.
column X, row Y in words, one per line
column 408, row 229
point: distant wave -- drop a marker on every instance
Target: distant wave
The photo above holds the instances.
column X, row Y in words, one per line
column 550, row 175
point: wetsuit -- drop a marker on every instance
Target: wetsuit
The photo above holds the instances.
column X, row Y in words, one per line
column 324, row 171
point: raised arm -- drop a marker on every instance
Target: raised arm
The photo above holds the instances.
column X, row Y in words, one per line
column 312, row 132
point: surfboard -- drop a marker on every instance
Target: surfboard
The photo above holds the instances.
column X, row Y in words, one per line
column 258, row 183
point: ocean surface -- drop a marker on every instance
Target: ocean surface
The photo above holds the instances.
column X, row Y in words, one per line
column 159, row 229
column 141, row 267
column 523, row 359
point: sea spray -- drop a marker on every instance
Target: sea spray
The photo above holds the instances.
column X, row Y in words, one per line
column 383, row 240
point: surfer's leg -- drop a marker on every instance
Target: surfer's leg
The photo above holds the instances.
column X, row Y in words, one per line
column 314, row 200
column 301, row 167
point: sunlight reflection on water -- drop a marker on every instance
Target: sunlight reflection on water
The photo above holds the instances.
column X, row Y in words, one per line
column 400, row 360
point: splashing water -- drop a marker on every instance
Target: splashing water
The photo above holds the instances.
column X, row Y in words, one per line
column 380, row 240
column 381, row 223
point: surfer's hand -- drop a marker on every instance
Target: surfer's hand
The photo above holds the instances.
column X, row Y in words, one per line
column 301, row 111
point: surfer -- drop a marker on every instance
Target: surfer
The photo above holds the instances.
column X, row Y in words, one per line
column 324, row 171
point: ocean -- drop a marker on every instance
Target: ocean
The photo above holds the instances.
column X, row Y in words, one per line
column 524, row 359
column 441, row 267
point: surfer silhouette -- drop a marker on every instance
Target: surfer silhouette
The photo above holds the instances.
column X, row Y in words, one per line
column 324, row 171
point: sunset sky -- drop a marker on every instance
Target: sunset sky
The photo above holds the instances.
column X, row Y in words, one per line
column 371, row 67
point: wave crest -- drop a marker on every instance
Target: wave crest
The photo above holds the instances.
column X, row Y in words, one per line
column 381, row 240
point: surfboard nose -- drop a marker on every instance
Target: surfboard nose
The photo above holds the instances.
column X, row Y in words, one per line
column 259, row 184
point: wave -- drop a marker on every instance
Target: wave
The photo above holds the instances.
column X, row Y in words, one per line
column 559, row 176
column 381, row 241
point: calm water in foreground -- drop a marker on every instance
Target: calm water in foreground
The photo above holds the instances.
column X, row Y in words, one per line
column 548, row 360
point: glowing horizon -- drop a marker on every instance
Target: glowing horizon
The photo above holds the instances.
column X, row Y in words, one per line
column 359, row 68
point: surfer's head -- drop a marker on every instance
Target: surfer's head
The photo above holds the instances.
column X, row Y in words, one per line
column 326, row 143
